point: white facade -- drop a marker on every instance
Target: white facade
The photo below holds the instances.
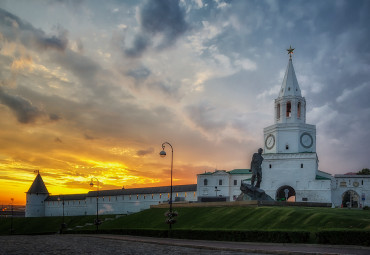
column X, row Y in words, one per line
column 356, row 187
column 221, row 184
column 290, row 166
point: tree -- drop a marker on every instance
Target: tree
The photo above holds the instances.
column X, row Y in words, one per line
column 365, row 171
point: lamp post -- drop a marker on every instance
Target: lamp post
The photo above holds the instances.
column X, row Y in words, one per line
column 97, row 222
column 163, row 154
column 11, row 219
column 63, row 223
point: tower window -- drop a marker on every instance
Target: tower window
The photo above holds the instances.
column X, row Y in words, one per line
column 301, row 165
column 287, row 147
column 219, row 182
column 205, row 182
column 270, row 165
column 278, row 111
column 299, row 110
column 289, row 89
column 288, row 109
column 235, row 182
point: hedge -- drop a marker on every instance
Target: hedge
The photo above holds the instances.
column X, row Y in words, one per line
column 351, row 237
column 219, row 235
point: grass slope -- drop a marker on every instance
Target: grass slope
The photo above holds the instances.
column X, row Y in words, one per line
column 249, row 218
column 208, row 218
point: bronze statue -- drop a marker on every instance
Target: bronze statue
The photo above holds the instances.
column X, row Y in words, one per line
column 256, row 168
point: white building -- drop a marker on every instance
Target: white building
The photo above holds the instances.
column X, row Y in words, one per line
column 290, row 170
column 290, row 161
column 221, row 185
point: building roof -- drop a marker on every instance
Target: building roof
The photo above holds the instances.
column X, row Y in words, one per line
column 240, row 171
column 38, row 186
column 66, row 197
column 319, row 177
column 235, row 171
column 352, row 176
column 150, row 190
column 290, row 86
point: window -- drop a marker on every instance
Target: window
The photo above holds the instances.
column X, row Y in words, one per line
column 177, row 194
column 160, row 195
column 130, row 197
column 109, row 198
column 144, row 196
column 219, row 182
column 299, row 110
column 152, row 196
column 362, row 182
column 205, row 182
column 288, row 109
column 301, row 165
column 235, row 182
column 287, row 147
column 194, row 193
column 137, row 197
column 278, row 111
column 270, row 165
column 168, row 195
column 185, row 194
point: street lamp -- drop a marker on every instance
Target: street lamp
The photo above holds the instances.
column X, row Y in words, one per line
column 170, row 215
column 63, row 224
column 97, row 222
column 11, row 219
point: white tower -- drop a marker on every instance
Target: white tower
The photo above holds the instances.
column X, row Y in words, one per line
column 36, row 195
column 290, row 165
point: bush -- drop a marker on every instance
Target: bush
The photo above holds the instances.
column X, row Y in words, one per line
column 351, row 237
column 219, row 235
column 366, row 208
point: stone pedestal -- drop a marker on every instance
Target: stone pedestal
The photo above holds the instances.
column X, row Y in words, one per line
column 250, row 192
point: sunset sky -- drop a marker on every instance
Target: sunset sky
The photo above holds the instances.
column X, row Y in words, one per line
column 93, row 88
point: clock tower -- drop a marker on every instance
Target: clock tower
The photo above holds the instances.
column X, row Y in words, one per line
column 290, row 165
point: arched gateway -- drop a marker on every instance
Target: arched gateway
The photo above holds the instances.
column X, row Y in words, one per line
column 350, row 199
column 285, row 193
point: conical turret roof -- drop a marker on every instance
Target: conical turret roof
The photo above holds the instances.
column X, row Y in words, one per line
column 290, row 86
column 38, row 186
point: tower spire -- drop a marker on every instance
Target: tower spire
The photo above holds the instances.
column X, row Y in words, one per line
column 290, row 86
column 290, row 51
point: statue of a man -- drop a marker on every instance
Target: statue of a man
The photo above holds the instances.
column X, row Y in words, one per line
column 256, row 168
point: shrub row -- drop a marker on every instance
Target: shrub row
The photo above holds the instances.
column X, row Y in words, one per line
column 351, row 237
column 220, row 235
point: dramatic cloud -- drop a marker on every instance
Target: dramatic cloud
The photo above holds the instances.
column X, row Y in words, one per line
column 160, row 20
column 13, row 28
column 21, row 107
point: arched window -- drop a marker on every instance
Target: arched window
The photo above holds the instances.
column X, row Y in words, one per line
column 299, row 110
column 278, row 111
column 288, row 109
column 205, row 182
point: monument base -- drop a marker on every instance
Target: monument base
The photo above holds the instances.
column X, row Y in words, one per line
column 250, row 192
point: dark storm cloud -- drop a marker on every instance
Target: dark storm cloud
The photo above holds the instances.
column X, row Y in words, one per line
column 140, row 73
column 54, row 116
column 21, row 107
column 13, row 29
column 205, row 116
column 145, row 152
column 158, row 17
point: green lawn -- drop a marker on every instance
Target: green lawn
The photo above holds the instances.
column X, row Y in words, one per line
column 209, row 218
column 249, row 218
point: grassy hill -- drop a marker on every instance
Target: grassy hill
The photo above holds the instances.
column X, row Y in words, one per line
column 218, row 218
column 249, row 218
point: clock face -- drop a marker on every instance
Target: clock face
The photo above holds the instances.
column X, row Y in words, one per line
column 306, row 140
column 270, row 141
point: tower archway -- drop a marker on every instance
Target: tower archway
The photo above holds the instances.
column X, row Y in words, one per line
column 285, row 193
column 351, row 199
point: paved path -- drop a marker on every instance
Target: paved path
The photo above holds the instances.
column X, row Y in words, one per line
column 116, row 244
